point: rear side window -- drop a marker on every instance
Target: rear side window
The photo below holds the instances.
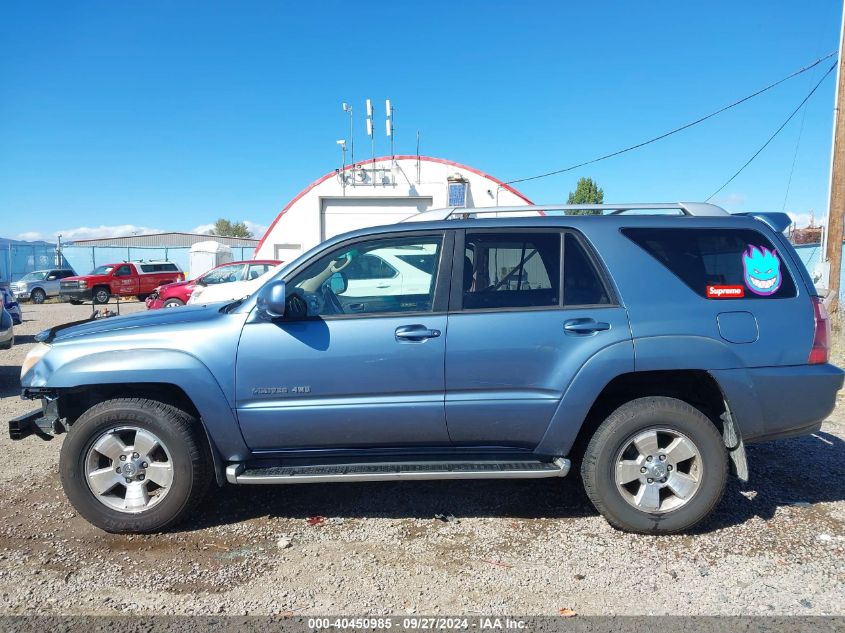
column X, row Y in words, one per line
column 582, row 284
column 158, row 268
column 719, row 263
column 511, row 270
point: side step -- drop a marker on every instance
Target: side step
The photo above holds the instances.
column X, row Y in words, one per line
column 239, row 474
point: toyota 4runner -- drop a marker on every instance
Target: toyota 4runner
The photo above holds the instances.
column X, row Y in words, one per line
column 647, row 343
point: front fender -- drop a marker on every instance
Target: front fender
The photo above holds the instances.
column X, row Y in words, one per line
column 149, row 366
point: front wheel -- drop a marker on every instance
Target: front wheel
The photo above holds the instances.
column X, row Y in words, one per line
column 173, row 303
column 134, row 465
column 655, row 466
column 101, row 295
column 38, row 296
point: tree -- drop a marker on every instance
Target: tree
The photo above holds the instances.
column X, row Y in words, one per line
column 586, row 191
column 227, row 228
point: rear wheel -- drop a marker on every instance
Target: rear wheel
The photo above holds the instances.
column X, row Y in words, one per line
column 655, row 465
column 101, row 294
column 38, row 296
column 134, row 465
column 173, row 303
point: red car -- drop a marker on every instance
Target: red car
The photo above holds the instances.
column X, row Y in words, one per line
column 121, row 279
column 177, row 294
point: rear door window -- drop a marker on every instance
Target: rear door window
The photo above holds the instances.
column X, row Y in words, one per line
column 719, row 263
column 511, row 270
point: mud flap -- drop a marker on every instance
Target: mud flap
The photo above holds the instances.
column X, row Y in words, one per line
column 735, row 446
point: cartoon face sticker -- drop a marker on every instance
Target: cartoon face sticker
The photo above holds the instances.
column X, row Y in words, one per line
column 761, row 270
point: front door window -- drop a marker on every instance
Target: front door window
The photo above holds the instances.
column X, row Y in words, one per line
column 374, row 277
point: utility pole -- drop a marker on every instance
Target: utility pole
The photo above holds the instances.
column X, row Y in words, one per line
column 836, row 209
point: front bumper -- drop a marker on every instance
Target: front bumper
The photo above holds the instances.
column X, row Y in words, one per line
column 43, row 422
column 75, row 294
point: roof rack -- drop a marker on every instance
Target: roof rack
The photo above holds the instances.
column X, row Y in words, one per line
column 686, row 208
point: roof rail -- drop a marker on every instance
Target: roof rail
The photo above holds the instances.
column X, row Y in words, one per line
column 686, row 208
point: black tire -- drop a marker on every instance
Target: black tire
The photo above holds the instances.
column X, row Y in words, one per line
column 142, row 297
column 173, row 303
column 100, row 295
column 75, row 302
column 38, row 296
column 189, row 453
column 598, row 469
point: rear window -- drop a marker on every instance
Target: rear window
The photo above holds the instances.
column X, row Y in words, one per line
column 719, row 263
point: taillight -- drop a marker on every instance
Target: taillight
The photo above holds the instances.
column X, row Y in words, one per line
column 821, row 334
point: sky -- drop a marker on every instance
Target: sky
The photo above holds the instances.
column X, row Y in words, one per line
column 117, row 117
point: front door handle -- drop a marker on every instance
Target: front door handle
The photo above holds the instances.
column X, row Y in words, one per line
column 415, row 333
column 584, row 326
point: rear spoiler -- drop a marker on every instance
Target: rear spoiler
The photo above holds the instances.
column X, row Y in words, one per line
column 776, row 220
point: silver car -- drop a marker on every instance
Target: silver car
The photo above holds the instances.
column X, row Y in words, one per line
column 40, row 284
column 7, row 333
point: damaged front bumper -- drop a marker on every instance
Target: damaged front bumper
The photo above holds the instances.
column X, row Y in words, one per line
column 43, row 422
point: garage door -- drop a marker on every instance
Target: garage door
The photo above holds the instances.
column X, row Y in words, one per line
column 339, row 215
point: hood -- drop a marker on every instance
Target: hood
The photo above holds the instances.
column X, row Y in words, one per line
column 176, row 284
column 79, row 277
column 150, row 318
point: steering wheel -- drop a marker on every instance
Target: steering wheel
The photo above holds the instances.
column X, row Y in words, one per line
column 331, row 298
column 315, row 300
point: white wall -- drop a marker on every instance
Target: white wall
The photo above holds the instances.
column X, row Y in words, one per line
column 372, row 194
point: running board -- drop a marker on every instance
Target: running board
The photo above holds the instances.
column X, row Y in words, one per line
column 239, row 474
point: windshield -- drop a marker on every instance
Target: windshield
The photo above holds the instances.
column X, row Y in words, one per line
column 37, row 275
column 102, row 270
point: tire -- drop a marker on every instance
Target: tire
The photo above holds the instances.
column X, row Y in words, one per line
column 173, row 303
column 142, row 297
column 612, row 456
column 75, row 302
column 38, row 296
column 100, row 295
column 180, row 446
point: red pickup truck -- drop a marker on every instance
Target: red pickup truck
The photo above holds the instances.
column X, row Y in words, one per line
column 121, row 279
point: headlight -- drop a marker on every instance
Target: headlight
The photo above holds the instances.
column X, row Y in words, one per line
column 195, row 295
column 35, row 354
column 83, row 284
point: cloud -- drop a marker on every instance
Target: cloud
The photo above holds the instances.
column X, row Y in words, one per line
column 89, row 232
column 731, row 200
column 120, row 230
column 257, row 230
column 802, row 219
column 203, row 228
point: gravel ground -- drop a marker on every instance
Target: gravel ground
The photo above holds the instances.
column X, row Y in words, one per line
column 775, row 545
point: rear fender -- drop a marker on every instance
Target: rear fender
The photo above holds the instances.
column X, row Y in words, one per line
column 582, row 392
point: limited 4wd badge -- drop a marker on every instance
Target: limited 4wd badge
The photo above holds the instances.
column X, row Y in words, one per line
column 761, row 270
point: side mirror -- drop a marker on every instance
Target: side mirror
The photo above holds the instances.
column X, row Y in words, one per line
column 271, row 299
column 338, row 283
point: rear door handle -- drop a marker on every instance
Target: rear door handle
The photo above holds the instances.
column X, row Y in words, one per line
column 584, row 326
column 415, row 333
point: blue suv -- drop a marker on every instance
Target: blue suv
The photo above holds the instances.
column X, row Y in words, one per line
column 648, row 343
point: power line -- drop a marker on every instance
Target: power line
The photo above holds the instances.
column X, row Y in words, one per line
column 777, row 131
column 794, row 159
column 678, row 129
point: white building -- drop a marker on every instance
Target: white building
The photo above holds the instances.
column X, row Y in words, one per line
column 378, row 191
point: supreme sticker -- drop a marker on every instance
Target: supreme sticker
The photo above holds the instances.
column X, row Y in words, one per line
column 725, row 292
